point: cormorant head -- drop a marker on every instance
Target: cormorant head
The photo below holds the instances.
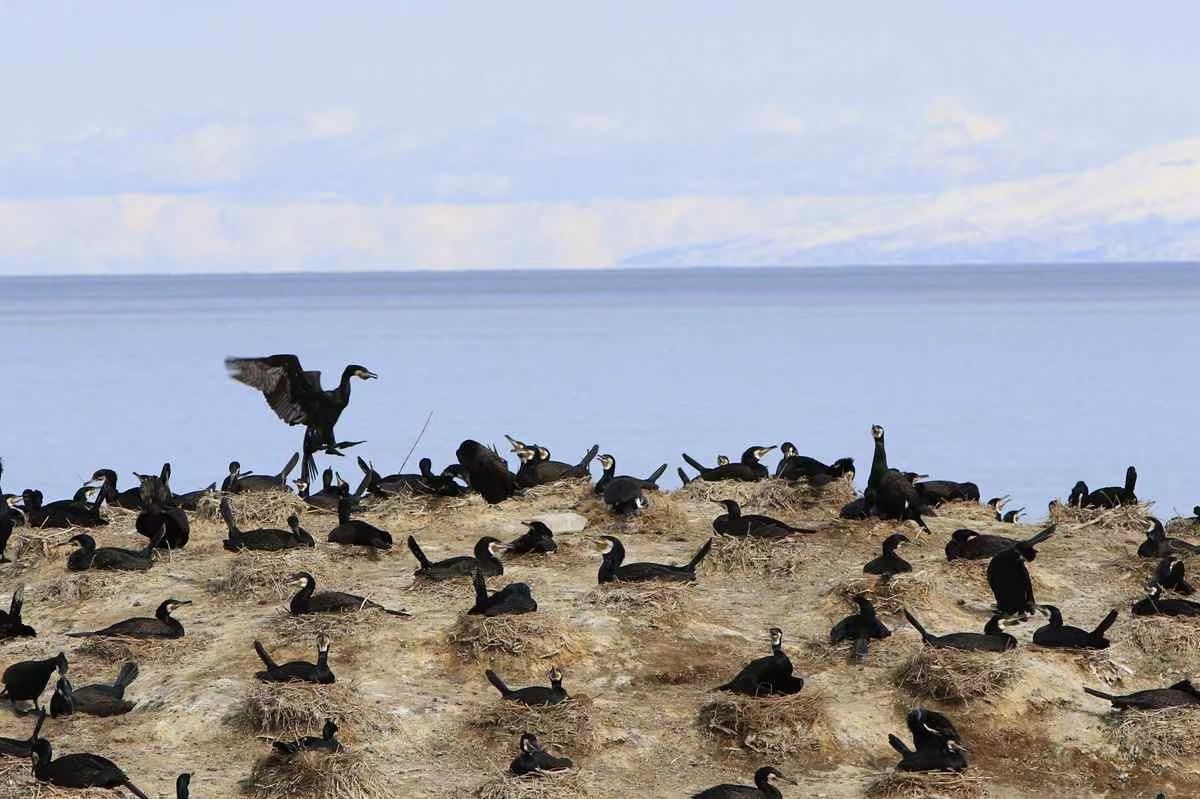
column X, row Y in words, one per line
column 1196, row 510
column 329, row 730
column 302, row 577
column 766, row 774
column 606, row 543
column 13, row 502
column 756, row 453
column 41, row 752
column 105, row 476
column 1154, row 530
column 776, row 637
column 83, row 541
column 425, row 465
column 171, row 604
column 877, row 432
column 731, row 506
column 1012, row 515
column 234, row 467
column 525, row 454
column 539, row 529
column 894, row 540
column 844, row 467
column 494, row 545
column 293, row 522
column 301, row 486
column 517, row 446
column 864, row 604
column 607, row 461
column 529, row 743
column 361, row 372
column 543, row 454
column 322, row 643
column 788, row 449
column 555, row 674
column 60, row 663
column 722, row 460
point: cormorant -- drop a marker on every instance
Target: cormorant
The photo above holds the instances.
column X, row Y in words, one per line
column 748, row 469
column 266, row 539
column 860, row 628
column 1158, row 544
column 99, row 700
column 305, row 601
column 538, row 539
column 970, row 545
column 1058, row 635
column 889, row 562
column 356, row 532
column 329, row 495
column 511, row 600
column 624, row 496
column 161, row 626
column 538, row 469
column 11, row 625
column 297, row 670
column 890, row 493
column 722, row 460
column 1111, row 496
column 609, row 464
column 1153, row 604
column 939, row 755
column 61, row 702
column 182, row 784
column 1008, row 577
column 1011, row 516
column 487, row 472
column 534, row 695
column 245, row 482
column 61, row 514
column 762, row 788
column 22, row 747
column 88, row 556
column 997, row 505
column 1078, row 494
column 794, row 466
column 79, row 770
column 766, row 676
column 25, row 680
column 328, row 742
column 129, row 499
column 733, row 523
column 190, row 500
column 614, row 569
column 992, row 639
column 8, row 521
column 533, row 759
column 1181, row 694
column 1170, row 575
column 484, row 560
column 296, row 397
column 935, row 492
column 158, row 512
column 423, row 483
column 929, row 726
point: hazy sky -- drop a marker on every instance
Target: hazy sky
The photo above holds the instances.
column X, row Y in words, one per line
column 211, row 136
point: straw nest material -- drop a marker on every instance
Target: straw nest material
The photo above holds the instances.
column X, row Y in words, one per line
column 25, row 786
column 755, row 556
column 889, row 595
column 262, row 576
column 529, row 635
column 772, row 495
column 254, row 508
column 79, row 586
column 1156, row 739
column 320, row 775
column 649, row 604
column 927, row 785
column 564, row 785
column 31, row 545
column 406, row 507
column 567, row 726
column 769, row 725
column 1176, row 641
column 966, row 511
column 1123, row 519
column 297, row 709
column 350, row 632
column 956, row 675
column 141, row 650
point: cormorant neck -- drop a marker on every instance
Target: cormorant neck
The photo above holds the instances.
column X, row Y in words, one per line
column 879, row 463
column 483, row 552
column 343, row 389
column 303, row 596
column 343, row 509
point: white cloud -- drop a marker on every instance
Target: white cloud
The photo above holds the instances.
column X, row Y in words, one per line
column 774, row 119
column 213, row 153
column 334, row 123
column 951, row 125
column 483, row 186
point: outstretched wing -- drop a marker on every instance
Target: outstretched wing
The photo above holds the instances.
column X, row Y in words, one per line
column 292, row 393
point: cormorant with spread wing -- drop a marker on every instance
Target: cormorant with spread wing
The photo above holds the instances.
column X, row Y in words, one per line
column 296, row 397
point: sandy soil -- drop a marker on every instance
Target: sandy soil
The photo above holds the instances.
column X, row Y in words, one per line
column 414, row 700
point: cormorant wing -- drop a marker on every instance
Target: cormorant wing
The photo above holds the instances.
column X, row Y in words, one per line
column 290, row 391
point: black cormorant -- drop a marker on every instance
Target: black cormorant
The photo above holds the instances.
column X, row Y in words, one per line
column 22, row 747
column 766, row 676
column 511, row 600
column 1012, row 516
column 61, row 514
column 1171, row 575
column 997, row 505
column 487, row 472
column 1110, row 496
column 722, row 460
column 161, row 626
column 296, row 397
column 762, row 788
column 860, row 627
column 614, row 569
column 748, row 469
column 329, row 495
column 890, row 493
column 1154, row 604
column 11, row 625
column 266, row 539
column 328, row 742
column 1158, row 544
column 537, row 539
column 992, row 639
column 1058, row 635
column 734, row 523
column 79, row 770
column 245, row 482
column 356, row 532
column 88, row 556
column 794, row 466
column 484, row 560
column 297, row 670
column 306, row 601
column 936, row 492
column 533, row 759
column 25, row 680
column 158, row 512
column 889, row 562
column 937, row 755
column 609, row 464
column 106, row 700
column 1008, row 577
column 970, row 545
column 1181, row 694
column 538, row 469
column 182, row 785
column 534, row 695
column 129, row 499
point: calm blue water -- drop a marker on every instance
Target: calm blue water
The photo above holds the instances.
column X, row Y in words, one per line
column 1023, row 379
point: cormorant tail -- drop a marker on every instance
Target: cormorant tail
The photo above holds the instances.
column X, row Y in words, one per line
column 481, row 593
column 495, row 680
column 128, row 674
column 291, row 464
column 693, row 463
column 79, row 635
column 285, row 747
column 861, row 647
column 1100, row 694
column 1108, row 621
column 917, row 626
column 700, row 555
column 683, row 478
column 264, row 657
column 587, row 458
column 37, row 728
column 899, row 746
column 653, row 478
column 415, row 548
column 1040, row 537
column 136, row 791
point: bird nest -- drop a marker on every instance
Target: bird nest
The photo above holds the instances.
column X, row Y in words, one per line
column 783, row 725
column 927, row 785
column 1123, row 519
column 563, row 785
column 26, row 787
column 400, row 508
column 29, row 546
column 528, row 635
column 566, row 727
column 249, row 575
column 295, row 709
column 350, row 631
column 1173, row 640
column 141, row 650
column 1156, row 739
column 771, row 494
column 957, row 676
column 320, row 775
column 963, row 510
column 79, row 586
column 755, row 556
column 254, row 508
column 889, row 595
column 650, row 604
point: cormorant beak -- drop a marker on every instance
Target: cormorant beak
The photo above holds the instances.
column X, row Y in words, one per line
column 788, row 780
column 180, row 603
column 368, row 375
column 764, row 450
column 95, row 482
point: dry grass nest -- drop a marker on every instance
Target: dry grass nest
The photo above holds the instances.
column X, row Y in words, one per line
column 1175, row 640
column 250, row 575
column 528, row 635
column 566, row 727
column 649, row 604
column 141, row 650
column 406, row 507
column 962, row 510
column 349, row 632
column 79, row 586
column 889, row 596
column 772, row 495
column 565, row 785
column 30, row 546
column 1124, row 519
column 254, row 508
column 320, row 775
column 927, row 785
column 957, row 676
column 295, row 709
column 755, row 556
column 773, row 725
column 25, row 786
column 1156, row 739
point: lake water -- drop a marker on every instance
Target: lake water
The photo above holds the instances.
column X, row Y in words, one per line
column 1021, row 378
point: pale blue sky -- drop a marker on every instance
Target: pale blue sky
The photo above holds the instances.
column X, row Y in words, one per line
column 148, row 137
